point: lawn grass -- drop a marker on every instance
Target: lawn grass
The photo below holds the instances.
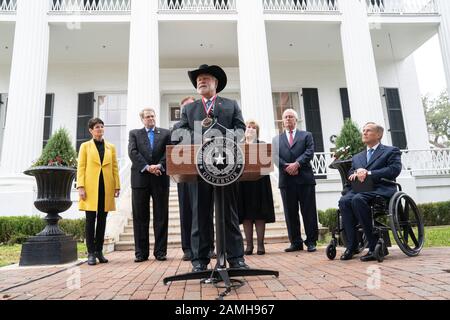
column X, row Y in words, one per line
column 11, row 254
column 435, row 237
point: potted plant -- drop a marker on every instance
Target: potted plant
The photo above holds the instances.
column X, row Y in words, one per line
column 348, row 143
column 54, row 172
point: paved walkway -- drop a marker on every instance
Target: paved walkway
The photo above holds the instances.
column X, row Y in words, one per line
column 303, row 276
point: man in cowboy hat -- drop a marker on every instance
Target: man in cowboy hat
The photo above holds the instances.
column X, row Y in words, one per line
column 209, row 81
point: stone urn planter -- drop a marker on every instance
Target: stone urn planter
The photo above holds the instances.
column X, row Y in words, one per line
column 51, row 246
column 343, row 166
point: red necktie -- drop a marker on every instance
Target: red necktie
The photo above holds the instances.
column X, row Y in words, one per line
column 291, row 138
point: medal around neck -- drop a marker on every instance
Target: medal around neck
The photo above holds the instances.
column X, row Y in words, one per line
column 207, row 122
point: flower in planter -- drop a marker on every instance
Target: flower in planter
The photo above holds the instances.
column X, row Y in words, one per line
column 342, row 154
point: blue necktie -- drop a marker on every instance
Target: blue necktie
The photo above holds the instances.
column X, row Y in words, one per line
column 370, row 154
column 151, row 137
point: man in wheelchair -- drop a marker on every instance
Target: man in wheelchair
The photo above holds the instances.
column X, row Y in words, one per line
column 369, row 168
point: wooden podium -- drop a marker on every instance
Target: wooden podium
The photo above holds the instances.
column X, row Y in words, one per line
column 182, row 167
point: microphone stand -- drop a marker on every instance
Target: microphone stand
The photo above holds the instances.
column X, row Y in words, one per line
column 221, row 272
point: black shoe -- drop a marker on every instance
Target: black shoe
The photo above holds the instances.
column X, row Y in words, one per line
column 187, row 256
column 294, row 248
column 312, row 248
column 101, row 258
column 348, row 255
column 368, row 257
column 261, row 250
column 212, row 255
column 199, row 268
column 249, row 251
column 140, row 260
column 92, row 261
column 161, row 258
column 239, row 265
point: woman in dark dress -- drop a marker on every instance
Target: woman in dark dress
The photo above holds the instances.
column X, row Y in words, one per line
column 255, row 201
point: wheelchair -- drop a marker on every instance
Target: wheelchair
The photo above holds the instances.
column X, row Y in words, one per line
column 399, row 216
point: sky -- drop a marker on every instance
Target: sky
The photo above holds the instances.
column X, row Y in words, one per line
column 430, row 68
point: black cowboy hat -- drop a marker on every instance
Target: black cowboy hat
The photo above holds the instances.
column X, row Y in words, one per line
column 215, row 71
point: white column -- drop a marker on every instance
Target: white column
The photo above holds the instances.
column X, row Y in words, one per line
column 143, row 74
column 23, row 138
column 412, row 106
column 359, row 60
column 256, row 87
column 444, row 37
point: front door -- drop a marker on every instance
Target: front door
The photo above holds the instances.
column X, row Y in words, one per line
column 112, row 109
column 3, row 105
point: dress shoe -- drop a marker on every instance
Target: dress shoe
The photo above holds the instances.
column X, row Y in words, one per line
column 212, row 255
column 92, row 261
column 140, row 260
column 294, row 248
column 101, row 258
column 249, row 251
column 199, row 268
column 348, row 255
column 312, row 248
column 239, row 265
column 261, row 250
column 368, row 257
column 161, row 258
column 187, row 256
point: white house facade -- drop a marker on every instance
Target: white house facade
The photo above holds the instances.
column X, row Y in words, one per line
column 65, row 61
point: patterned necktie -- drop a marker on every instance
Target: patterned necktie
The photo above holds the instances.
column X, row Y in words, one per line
column 370, row 154
column 208, row 105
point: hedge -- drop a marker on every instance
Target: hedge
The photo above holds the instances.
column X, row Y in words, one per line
column 16, row 230
column 434, row 214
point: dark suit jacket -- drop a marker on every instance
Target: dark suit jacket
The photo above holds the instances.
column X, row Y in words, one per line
column 226, row 111
column 141, row 155
column 302, row 152
column 385, row 163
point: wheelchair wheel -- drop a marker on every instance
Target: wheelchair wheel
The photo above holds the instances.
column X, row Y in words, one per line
column 406, row 224
column 362, row 242
column 379, row 252
column 331, row 252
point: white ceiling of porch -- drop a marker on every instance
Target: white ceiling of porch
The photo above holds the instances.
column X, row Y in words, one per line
column 186, row 44
column 89, row 43
column 293, row 41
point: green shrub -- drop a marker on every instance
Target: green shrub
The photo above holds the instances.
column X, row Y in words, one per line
column 434, row 215
column 15, row 230
column 17, row 227
column 75, row 228
column 349, row 142
column 328, row 218
column 59, row 151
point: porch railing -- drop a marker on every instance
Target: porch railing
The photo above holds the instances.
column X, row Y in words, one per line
column 8, row 6
column 90, row 6
column 197, row 6
column 301, row 6
column 415, row 162
column 411, row 7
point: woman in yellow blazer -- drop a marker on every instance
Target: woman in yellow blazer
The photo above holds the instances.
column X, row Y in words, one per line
column 98, row 185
